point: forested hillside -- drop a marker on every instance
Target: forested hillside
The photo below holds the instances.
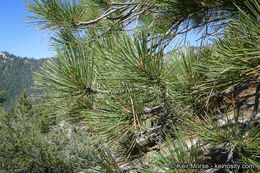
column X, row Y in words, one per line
column 16, row 75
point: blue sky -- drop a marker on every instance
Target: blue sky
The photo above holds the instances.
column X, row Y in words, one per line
column 19, row 38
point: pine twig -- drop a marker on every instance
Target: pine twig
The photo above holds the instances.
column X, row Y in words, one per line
column 153, row 109
column 96, row 91
column 101, row 17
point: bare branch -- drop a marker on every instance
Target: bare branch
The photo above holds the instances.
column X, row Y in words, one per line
column 125, row 15
column 135, row 26
column 153, row 109
column 121, row 3
column 98, row 91
column 101, row 17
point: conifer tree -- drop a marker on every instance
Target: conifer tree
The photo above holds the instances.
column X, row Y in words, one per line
column 1, row 99
column 24, row 104
column 130, row 97
column 166, row 18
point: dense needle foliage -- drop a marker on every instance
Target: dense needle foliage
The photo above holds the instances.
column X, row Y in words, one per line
column 143, row 111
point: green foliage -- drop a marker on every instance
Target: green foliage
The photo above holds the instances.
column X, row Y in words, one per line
column 205, row 143
column 97, row 88
column 2, row 100
column 55, row 12
column 166, row 17
column 24, row 104
column 58, row 14
column 130, row 97
column 184, row 79
column 234, row 59
column 24, row 148
column 176, row 151
column 237, row 145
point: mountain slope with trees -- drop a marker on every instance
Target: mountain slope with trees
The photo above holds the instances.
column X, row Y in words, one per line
column 16, row 75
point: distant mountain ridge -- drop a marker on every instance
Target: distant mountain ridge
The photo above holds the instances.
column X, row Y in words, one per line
column 16, row 75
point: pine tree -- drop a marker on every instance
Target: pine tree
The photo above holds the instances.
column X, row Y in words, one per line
column 132, row 99
column 24, row 104
column 2, row 100
column 167, row 18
